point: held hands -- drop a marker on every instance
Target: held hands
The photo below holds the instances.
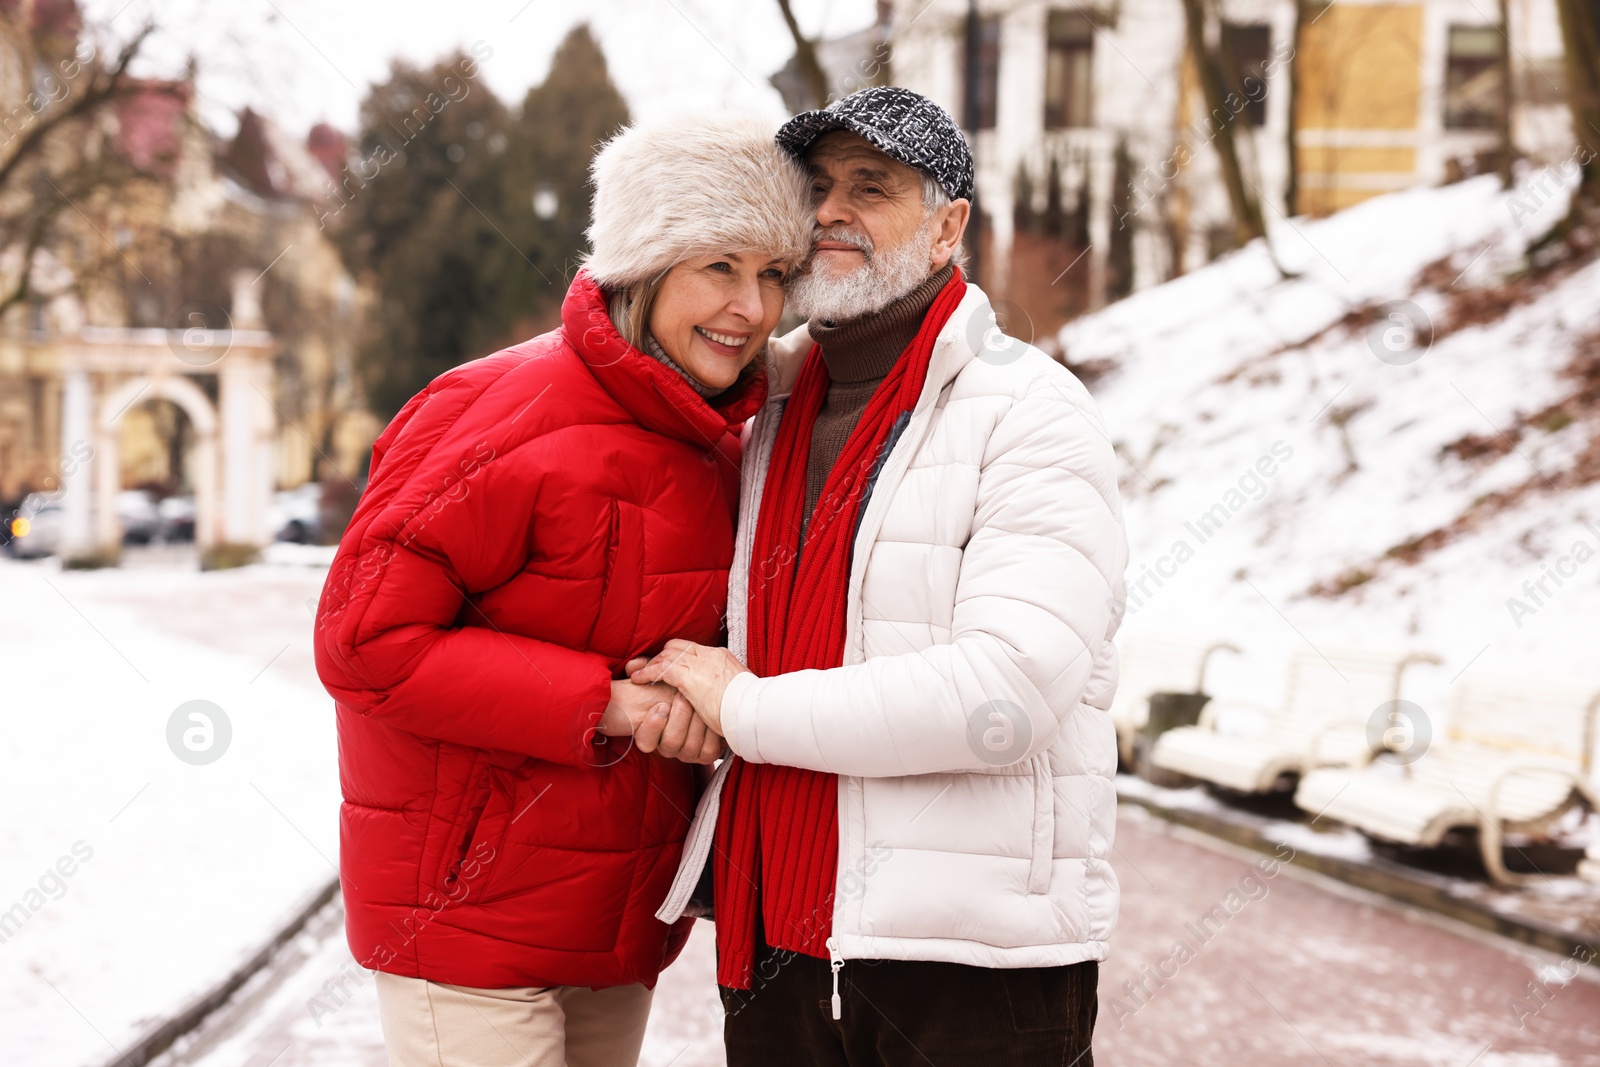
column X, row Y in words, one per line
column 700, row 673
column 659, row 720
column 672, row 704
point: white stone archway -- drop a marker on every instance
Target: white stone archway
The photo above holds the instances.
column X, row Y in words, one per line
column 202, row 461
column 106, row 370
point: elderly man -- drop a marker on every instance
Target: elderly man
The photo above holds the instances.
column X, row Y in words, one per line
column 911, row 839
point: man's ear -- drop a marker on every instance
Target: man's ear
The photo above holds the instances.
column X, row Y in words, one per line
column 947, row 239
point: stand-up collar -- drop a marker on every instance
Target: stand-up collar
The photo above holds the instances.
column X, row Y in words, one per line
column 655, row 395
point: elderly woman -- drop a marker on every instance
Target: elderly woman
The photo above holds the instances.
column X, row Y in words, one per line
column 534, row 520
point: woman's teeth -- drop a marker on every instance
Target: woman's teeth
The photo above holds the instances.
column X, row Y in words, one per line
column 728, row 339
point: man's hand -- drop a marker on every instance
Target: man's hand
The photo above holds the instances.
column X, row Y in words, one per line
column 659, row 720
column 700, row 673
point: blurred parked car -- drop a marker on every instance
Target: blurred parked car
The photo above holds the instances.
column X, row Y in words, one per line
column 296, row 514
column 177, row 519
column 139, row 516
column 38, row 527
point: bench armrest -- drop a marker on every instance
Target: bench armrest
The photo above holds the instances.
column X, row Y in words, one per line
column 1491, row 835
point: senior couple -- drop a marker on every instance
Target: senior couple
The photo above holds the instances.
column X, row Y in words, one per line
column 903, row 525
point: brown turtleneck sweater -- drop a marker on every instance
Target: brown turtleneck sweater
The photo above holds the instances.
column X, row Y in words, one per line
column 859, row 354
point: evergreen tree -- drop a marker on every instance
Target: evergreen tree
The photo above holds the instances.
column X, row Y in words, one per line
column 440, row 210
column 552, row 143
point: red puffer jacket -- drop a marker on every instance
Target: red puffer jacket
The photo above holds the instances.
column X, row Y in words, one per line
column 533, row 520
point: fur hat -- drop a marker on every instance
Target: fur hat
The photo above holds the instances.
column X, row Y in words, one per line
column 668, row 190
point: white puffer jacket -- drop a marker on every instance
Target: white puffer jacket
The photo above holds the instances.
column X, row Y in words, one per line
column 968, row 725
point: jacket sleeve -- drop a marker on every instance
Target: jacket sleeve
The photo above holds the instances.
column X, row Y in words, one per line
column 397, row 637
column 1038, row 595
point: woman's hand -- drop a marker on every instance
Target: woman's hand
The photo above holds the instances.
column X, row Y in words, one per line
column 630, row 705
column 659, row 720
column 701, row 674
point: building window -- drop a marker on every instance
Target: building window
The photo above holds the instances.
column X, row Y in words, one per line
column 1472, row 78
column 979, row 111
column 1069, row 71
column 1245, row 47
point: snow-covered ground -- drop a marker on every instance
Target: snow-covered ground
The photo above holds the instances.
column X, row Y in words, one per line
column 315, row 1008
column 1274, row 446
column 132, row 879
column 190, row 868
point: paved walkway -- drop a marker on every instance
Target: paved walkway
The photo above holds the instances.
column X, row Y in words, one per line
column 1290, row 970
column 1217, row 962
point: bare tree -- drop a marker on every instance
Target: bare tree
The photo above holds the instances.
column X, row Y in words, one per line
column 1502, row 119
column 1580, row 37
column 1248, row 223
column 806, row 62
column 52, row 155
column 1291, row 183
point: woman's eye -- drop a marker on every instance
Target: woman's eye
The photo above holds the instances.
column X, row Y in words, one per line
column 721, row 266
column 773, row 272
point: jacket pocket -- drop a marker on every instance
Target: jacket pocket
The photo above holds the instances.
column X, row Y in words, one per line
column 479, row 838
column 617, row 619
column 1044, row 826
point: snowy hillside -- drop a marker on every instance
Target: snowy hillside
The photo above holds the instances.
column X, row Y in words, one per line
column 1399, row 446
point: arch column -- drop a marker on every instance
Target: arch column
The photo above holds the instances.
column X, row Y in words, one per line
column 107, row 480
column 77, row 427
column 247, row 434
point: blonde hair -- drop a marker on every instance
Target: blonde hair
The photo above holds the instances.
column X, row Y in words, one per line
column 630, row 308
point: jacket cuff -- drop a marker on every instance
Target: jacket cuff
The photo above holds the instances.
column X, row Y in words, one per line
column 739, row 728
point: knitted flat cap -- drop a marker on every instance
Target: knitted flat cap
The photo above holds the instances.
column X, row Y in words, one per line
column 901, row 124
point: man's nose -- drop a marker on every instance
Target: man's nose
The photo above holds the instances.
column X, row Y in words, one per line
column 834, row 210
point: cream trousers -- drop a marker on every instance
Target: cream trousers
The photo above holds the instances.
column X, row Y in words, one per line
column 426, row 1024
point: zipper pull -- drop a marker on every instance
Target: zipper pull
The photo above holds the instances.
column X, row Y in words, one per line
column 835, row 963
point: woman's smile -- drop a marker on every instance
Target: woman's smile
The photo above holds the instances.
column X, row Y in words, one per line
column 721, row 342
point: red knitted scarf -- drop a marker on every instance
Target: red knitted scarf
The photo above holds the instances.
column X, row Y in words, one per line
column 778, row 829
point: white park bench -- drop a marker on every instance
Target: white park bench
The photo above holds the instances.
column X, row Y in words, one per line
column 1517, row 756
column 1151, row 664
column 1331, row 694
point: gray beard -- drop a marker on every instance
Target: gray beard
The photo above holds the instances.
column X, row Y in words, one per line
column 883, row 278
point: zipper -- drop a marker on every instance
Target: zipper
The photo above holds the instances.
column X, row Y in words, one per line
column 835, row 964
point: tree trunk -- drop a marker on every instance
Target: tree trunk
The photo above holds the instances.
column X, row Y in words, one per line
column 805, row 57
column 1508, row 149
column 1291, row 184
column 1247, row 219
column 1580, row 38
column 970, row 109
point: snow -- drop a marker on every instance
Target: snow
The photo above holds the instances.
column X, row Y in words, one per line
column 1190, row 798
column 288, row 554
column 314, row 998
column 316, row 1008
column 1339, row 844
column 1327, row 840
column 1233, row 386
column 179, row 871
